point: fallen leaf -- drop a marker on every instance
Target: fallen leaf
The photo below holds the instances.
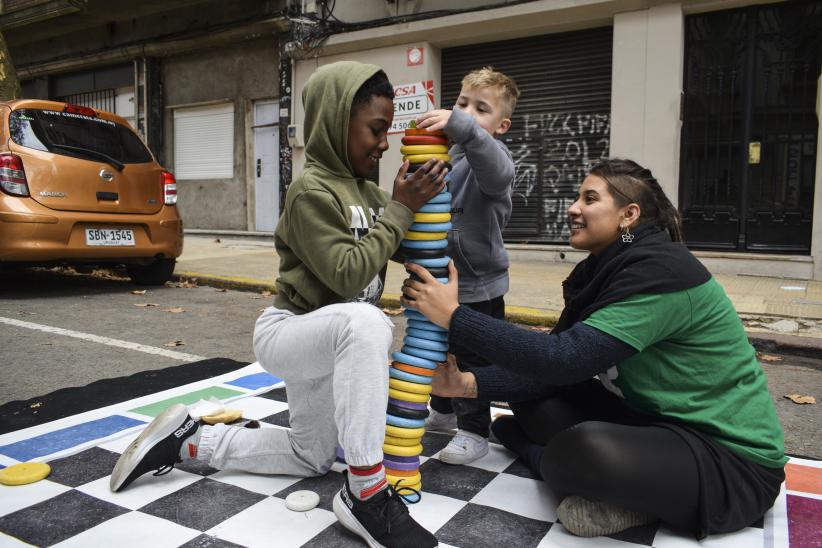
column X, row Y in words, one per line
column 392, row 311
column 216, row 240
column 143, row 305
column 175, row 343
column 769, row 358
column 545, row 329
column 175, row 310
column 797, row 398
column 265, row 293
column 220, row 290
column 186, row 283
column 139, row 292
column 35, row 405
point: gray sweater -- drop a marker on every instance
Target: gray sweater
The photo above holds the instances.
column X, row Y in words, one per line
column 482, row 175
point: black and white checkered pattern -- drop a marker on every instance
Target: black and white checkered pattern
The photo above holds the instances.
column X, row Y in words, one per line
column 493, row 502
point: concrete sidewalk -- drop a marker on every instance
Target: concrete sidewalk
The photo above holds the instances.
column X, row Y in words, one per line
column 776, row 308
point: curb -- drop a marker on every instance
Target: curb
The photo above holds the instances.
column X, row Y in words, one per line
column 518, row 314
column 808, row 347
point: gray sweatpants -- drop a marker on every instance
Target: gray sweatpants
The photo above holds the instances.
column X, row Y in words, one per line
column 334, row 362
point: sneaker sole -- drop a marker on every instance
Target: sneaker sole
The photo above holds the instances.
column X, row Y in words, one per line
column 351, row 523
column 460, row 459
column 161, row 427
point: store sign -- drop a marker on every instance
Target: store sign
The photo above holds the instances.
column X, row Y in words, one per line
column 411, row 100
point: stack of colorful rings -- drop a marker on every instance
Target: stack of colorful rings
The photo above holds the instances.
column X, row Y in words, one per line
column 425, row 343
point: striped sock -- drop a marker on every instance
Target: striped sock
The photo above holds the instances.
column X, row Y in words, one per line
column 364, row 483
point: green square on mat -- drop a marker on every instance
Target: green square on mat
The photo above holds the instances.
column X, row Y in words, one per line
column 154, row 409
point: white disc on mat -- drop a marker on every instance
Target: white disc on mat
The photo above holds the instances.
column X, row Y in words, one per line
column 302, row 501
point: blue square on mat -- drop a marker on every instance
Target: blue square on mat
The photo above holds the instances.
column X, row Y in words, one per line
column 255, row 381
column 66, row 438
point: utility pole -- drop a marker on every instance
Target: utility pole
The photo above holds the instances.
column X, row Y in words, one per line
column 9, row 84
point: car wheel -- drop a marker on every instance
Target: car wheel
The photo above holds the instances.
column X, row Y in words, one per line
column 156, row 273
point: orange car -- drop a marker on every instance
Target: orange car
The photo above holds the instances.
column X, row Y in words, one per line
column 77, row 185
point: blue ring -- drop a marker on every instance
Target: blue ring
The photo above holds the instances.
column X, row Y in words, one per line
column 439, row 262
column 425, row 325
column 424, row 354
column 427, row 335
column 402, row 422
column 425, row 244
column 435, row 208
column 425, row 344
column 410, row 377
column 431, row 227
column 414, row 315
column 441, row 198
column 413, row 360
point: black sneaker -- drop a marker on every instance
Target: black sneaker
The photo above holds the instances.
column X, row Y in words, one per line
column 382, row 521
column 156, row 448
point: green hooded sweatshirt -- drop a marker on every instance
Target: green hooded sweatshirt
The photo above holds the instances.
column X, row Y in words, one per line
column 337, row 231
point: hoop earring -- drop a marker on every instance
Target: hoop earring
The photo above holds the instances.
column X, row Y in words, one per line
column 627, row 237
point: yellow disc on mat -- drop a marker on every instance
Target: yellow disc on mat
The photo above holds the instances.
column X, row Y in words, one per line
column 422, row 158
column 412, row 387
column 413, row 150
column 432, row 217
column 409, row 481
column 414, row 235
column 404, row 442
column 23, row 473
column 400, row 432
column 407, row 396
column 401, row 450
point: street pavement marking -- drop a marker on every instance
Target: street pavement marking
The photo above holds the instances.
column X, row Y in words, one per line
column 104, row 340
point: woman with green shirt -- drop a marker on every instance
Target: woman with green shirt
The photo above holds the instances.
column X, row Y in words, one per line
column 678, row 424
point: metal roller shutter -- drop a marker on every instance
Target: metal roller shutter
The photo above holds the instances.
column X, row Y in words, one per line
column 561, row 124
column 204, row 142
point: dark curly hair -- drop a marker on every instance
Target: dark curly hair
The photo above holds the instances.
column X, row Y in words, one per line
column 376, row 86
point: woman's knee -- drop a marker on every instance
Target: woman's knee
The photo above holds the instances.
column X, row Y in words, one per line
column 579, row 456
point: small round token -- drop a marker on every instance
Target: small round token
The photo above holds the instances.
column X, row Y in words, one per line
column 302, row 501
column 24, row 473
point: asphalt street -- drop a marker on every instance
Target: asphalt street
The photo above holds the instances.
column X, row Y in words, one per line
column 59, row 330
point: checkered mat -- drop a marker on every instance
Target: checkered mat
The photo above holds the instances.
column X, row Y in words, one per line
column 493, row 502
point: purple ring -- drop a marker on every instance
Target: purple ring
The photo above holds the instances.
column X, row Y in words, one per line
column 407, row 404
column 397, row 458
column 400, row 465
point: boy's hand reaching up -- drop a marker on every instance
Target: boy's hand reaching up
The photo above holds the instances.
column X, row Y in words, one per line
column 434, row 120
column 414, row 190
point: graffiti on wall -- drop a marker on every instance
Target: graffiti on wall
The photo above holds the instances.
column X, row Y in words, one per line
column 552, row 153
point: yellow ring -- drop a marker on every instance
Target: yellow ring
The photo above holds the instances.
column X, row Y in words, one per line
column 401, row 451
column 405, row 386
column 414, row 235
column 432, row 217
column 422, row 158
column 404, row 442
column 407, row 396
column 400, row 432
column 404, row 480
column 413, row 150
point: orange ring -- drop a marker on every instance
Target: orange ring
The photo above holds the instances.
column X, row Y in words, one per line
column 413, row 370
column 424, row 140
column 401, row 473
column 418, row 132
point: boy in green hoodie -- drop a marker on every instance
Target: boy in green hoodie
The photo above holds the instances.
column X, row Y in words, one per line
column 323, row 336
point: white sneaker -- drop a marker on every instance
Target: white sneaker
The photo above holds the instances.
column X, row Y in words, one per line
column 465, row 447
column 441, row 421
column 586, row 518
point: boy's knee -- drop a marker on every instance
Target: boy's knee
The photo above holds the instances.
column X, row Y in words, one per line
column 362, row 318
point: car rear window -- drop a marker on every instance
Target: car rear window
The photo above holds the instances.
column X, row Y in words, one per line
column 43, row 129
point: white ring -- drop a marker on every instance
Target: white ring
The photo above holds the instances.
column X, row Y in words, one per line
column 302, row 501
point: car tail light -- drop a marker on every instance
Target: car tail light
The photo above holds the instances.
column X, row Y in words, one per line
column 12, row 176
column 169, row 188
column 79, row 109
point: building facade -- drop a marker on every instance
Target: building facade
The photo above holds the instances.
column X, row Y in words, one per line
column 720, row 99
column 198, row 80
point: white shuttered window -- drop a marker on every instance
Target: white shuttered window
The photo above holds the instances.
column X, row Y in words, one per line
column 204, row 142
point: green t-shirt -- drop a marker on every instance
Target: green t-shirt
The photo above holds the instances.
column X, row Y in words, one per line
column 695, row 364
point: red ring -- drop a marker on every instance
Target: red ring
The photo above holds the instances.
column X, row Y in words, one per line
column 424, row 132
column 424, row 140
